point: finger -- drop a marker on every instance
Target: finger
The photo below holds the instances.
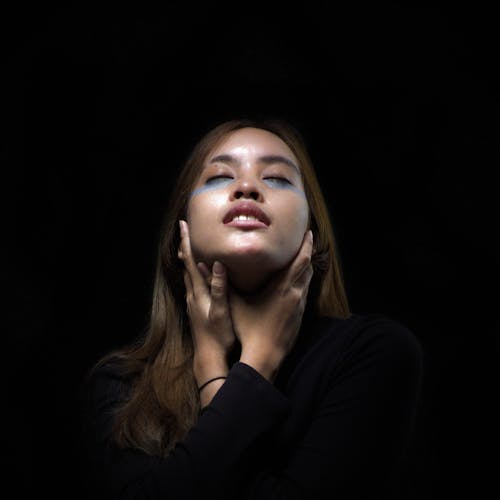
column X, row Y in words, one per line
column 197, row 280
column 188, row 284
column 185, row 245
column 205, row 272
column 218, row 288
column 302, row 259
column 219, row 308
column 304, row 280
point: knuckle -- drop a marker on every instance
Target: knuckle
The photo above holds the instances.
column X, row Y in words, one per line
column 217, row 314
column 310, row 271
column 296, row 295
column 303, row 262
column 217, row 287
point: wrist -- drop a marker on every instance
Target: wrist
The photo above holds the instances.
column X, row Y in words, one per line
column 266, row 365
column 206, row 367
column 209, row 391
column 211, row 380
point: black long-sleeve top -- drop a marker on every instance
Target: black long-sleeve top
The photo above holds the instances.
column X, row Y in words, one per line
column 334, row 424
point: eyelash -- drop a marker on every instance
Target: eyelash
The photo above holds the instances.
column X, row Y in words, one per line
column 274, row 178
column 279, row 179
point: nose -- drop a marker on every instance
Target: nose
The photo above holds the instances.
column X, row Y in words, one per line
column 247, row 188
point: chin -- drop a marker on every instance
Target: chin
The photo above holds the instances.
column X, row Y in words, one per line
column 252, row 261
column 248, row 272
column 248, row 269
column 248, row 263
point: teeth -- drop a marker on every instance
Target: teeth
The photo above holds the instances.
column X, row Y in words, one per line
column 245, row 217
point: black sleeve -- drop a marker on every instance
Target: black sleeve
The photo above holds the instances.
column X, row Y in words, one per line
column 360, row 428
column 204, row 464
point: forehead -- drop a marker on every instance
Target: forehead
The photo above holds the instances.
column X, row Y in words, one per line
column 251, row 141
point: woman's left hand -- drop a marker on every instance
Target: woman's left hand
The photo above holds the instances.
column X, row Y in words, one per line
column 267, row 323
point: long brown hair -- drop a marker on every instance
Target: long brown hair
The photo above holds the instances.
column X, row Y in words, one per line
column 163, row 402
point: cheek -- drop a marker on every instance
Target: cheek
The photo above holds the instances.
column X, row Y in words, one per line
column 294, row 225
column 298, row 217
column 202, row 208
column 198, row 218
column 303, row 217
column 202, row 218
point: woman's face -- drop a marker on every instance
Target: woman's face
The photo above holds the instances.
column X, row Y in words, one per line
column 248, row 208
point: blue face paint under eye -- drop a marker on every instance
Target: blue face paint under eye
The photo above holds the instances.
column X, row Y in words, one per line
column 279, row 183
column 222, row 182
column 213, row 183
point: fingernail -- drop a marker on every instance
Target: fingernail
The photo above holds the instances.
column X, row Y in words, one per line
column 311, row 235
column 181, row 228
column 217, row 268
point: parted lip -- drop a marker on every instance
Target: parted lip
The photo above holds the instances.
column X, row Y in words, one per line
column 246, row 208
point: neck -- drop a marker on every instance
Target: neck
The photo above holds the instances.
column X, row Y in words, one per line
column 247, row 282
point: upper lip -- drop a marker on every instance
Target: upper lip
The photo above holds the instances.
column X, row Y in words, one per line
column 246, row 208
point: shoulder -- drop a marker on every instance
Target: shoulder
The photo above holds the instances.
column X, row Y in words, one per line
column 367, row 329
column 365, row 353
column 384, row 347
column 384, row 331
column 369, row 338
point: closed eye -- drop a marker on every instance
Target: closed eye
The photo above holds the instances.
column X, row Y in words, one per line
column 218, row 178
column 277, row 180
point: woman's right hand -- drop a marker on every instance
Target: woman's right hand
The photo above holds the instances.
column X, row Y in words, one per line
column 207, row 304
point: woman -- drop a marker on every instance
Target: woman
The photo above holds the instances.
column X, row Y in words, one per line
column 254, row 380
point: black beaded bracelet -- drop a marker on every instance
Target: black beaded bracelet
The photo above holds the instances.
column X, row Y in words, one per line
column 206, row 383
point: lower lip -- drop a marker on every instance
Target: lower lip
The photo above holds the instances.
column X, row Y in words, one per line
column 247, row 224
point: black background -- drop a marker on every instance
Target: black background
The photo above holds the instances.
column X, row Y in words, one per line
column 399, row 106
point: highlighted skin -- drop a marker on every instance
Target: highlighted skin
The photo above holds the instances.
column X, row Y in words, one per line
column 255, row 167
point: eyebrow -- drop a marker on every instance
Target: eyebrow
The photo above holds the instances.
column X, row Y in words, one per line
column 267, row 159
